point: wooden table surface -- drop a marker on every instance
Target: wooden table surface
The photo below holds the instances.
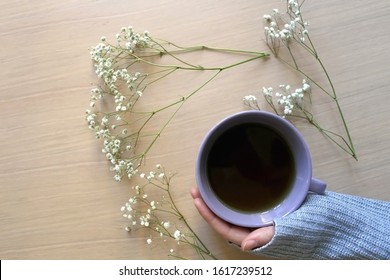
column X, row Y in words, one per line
column 58, row 199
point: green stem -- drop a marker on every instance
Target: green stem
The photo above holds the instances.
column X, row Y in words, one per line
column 202, row 47
column 328, row 134
column 306, row 76
column 199, row 67
column 181, row 103
column 333, row 95
column 174, row 56
column 350, row 145
column 170, row 71
column 203, row 247
column 314, row 52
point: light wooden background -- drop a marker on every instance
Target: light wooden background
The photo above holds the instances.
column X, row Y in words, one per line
column 57, row 196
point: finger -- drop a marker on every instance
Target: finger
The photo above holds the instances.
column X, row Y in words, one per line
column 209, row 216
column 195, row 193
column 258, row 238
column 227, row 231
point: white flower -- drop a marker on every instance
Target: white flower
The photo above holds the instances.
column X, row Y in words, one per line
column 267, row 17
column 166, row 225
column 144, row 220
column 287, row 110
column 177, row 235
column 128, row 207
column 293, row 5
column 117, row 178
column 149, row 241
column 305, row 86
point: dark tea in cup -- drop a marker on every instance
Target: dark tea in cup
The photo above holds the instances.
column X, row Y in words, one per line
column 250, row 167
column 253, row 167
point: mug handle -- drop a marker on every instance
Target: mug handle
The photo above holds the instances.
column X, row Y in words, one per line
column 317, row 186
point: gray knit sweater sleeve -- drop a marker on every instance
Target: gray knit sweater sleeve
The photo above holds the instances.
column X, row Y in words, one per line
column 333, row 226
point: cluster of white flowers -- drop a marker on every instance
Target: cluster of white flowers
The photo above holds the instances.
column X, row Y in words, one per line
column 142, row 217
column 294, row 7
column 100, row 55
column 97, row 125
column 91, row 119
column 123, row 167
column 143, row 212
column 96, row 94
column 152, row 175
column 105, row 60
column 273, row 31
column 133, row 40
column 113, row 146
column 125, row 89
column 287, row 98
column 282, row 29
column 251, row 101
column 137, row 216
column 249, row 98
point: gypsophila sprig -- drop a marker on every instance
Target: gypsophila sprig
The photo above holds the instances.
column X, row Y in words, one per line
column 126, row 68
column 289, row 100
column 160, row 215
column 119, row 67
column 287, row 34
column 285, row 102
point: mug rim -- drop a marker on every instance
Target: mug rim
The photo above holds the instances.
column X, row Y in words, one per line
column 300, row 185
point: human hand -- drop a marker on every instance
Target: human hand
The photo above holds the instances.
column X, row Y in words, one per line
column 247, row 238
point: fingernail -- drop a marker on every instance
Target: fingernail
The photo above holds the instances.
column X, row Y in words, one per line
column 248, row 245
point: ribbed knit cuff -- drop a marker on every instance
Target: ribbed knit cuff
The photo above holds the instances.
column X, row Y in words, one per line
column 332, row 226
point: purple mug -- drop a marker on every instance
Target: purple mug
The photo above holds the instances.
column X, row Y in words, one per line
column 300, row 184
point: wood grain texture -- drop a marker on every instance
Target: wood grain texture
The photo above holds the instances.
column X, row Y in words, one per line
column 57, row 196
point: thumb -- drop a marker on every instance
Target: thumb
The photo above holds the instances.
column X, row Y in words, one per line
column 258, row 238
